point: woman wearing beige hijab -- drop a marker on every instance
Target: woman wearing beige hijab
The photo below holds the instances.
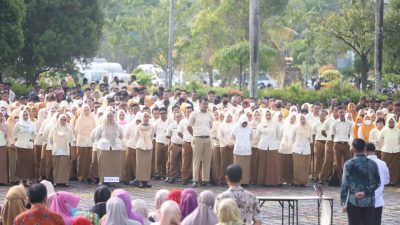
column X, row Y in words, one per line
column 12, row 156
column 3, row 150
column 145, row 134
column 37, row 153
column 109, row 148
column 301, row 151
column 83, row 127
column 228, row 213
column 14, row 204
column 60, row 139
column 24, row 133
column 131, row 141
column 255, row 120
column 286, row 147
column 170, row 214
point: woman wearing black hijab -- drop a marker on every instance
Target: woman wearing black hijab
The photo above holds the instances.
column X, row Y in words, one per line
column 101, row 195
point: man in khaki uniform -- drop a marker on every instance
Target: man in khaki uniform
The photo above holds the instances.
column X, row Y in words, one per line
column 199, row 126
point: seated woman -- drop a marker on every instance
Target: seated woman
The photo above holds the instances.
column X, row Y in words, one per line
column 204, row 213
column 126, row 199
column 141, row 207
column 15, row 203
column 169, row 214
column 101, row 195
column 161, row 197
column 116, row 213
column 228, row 213
column 175, row 195
column 65, row 203
column 188, row 202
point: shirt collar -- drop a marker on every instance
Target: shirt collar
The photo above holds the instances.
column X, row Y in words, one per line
column 359, row 155
column 372, row 156
column 236, row 188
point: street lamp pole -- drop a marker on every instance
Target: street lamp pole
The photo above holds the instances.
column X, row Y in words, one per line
column 378, row 43
column 254, row 45
column 171, row 44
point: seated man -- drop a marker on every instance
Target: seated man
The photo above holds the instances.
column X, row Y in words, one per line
column 245, row 200
column 38, row 214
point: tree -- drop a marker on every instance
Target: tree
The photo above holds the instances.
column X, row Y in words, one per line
column 391, row 41
column 57, row 32
column 12, row 13
column 352, row 25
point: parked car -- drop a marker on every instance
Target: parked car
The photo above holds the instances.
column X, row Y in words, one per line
column 265, row 81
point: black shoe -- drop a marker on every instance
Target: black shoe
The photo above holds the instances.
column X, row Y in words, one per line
column 73, row 179
column 195, row 184
column 157, row 177
column 185, row 182
column 172, row 181
column 245, row 185
column 134, row 183
column 206, row 184
column 89, row 180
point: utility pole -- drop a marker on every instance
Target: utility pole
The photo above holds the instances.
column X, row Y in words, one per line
column 171, row 44
column 378, row 43
column 254, row 45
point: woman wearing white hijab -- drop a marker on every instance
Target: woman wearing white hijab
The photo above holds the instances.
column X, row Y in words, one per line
column 285, row 148
column 226, row 143
column 3, row 150
column 145, row 134
column 60, row 139
column 38, row 143
column 131, row 141
column 141, row 207
column 256, row 120
column 109, row 146
column 204, row 213
column 242, row 150
column 116, row 213
column 94, row 165
column 84, row 125
column 301, row 151
column 24, row 133
column 269, row 172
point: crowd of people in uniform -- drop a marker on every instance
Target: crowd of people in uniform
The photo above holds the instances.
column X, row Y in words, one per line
column 122, row 133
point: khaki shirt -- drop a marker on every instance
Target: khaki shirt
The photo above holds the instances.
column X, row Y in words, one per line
column 201, row 123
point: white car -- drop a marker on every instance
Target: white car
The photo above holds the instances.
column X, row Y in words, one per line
column 265, row 81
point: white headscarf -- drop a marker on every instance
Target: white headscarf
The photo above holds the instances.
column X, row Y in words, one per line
column 116, row 213
column 27, row 124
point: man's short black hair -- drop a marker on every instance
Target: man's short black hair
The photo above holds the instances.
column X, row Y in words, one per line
column 37, row 193
column 358, row 144
column 234, row 173
column 211, row 92
column 380, row 120
column 203, row 99
column 370, row 147
column 163, row 109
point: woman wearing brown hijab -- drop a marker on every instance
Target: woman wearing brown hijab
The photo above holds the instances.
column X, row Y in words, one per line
column 24, row 133
column 3, row 150
column 83, row 127
column 109, row 148
column 14, row 204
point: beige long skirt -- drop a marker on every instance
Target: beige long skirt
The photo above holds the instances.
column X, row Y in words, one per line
column 25, row 164
column 12, row 164
column 109, row 164
column 94, row 166
column 143, row 165
column 37, row 154
column 244, row 161
column 61, row 169
column 286, row 161
column 269, row 170
column 3, row 165
column 300, row 168
column 130, row 165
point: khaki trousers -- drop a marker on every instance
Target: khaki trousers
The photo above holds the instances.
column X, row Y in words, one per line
column 392, row 160
column 175, row 158
column 300, row 170
column 319, row 152
column 153, row 158
column 37, row 155
column 42, row 166
column 187, row 155
column 342, row 154
column 215, row 164
column 327, row 165
column 254, row 165
column 311, row 162
column 84, row 161
column 130, row 165
column 201, row 154
column 161, row 159
column 226, row 159
column 12, row 164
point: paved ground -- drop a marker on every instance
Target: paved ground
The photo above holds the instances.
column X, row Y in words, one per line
column 271, row 212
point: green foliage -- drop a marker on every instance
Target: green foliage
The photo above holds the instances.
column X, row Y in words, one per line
column 56, row 32
column 21, row 89
column 142, row 77
column 390, row 78
column 391, row 41
column 330, row 75
column 12, row 13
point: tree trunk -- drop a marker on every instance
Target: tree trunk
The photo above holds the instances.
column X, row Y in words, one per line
column 254, row 45
column 210, row 75
column 308, row 62
column 364, row 71
column 378, row 44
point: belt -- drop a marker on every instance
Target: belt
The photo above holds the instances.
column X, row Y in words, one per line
column 160, row 143
column 202, row 136
column 180, row 145
column 321, row 141
column 187, row 142
column 341, row 142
